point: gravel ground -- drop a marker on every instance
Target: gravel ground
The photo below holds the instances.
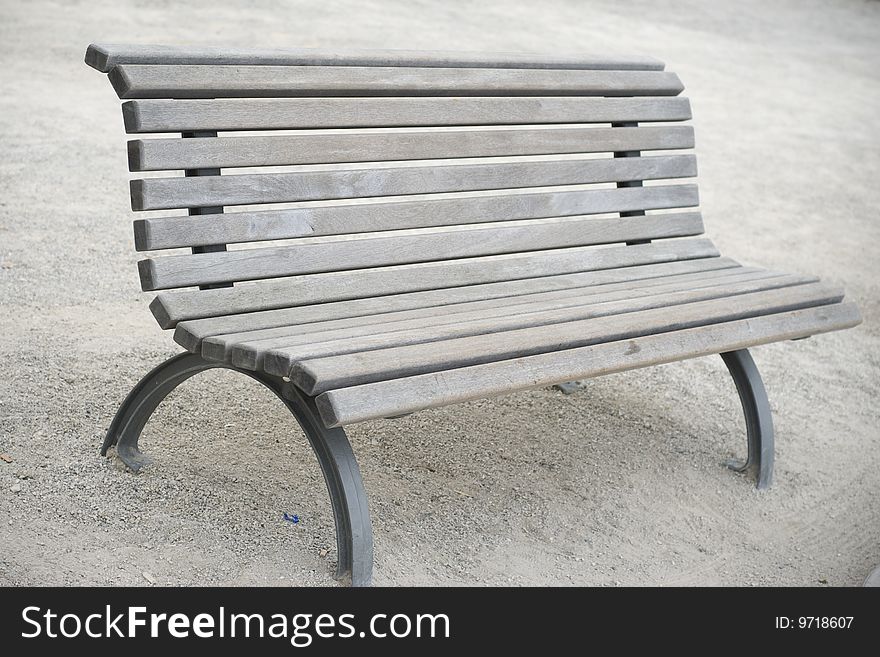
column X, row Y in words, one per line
column 619, row 483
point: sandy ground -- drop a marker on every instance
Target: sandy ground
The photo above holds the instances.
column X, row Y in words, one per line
column 620, row 483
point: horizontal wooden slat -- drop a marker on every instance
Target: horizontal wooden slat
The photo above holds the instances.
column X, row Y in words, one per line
column 392, row 179
column 380, row 249
column 410, row 394
column 317, row 219
column 321, row 374
column 148, row 116
column 414, row 327
column 219, row 81
column 383, row 144
column 190, row 334
column 170, row 308
column 104, row 56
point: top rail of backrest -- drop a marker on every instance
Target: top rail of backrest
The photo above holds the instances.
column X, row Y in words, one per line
column 178, row 76
column 105, row 57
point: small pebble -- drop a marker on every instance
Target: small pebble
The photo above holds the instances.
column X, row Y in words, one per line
column 16, row 488
column 149, row 577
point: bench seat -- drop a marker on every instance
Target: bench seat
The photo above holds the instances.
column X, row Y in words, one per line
column 386, row 356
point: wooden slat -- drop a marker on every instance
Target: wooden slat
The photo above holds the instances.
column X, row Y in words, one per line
column 433, row 244
column 149, row 116
column 190, row 334
column 218, row 81
column 397, row 329
column 317, row 219
column 322, row 374
column 171, row 308
column 392, row 179
column 105, row 56
column 382, row 144
column 406, row 395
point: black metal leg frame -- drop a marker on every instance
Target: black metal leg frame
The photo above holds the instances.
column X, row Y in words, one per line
column 759, row 421
column 354, row 535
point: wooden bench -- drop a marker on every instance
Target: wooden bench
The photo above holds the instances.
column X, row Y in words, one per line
column 417, row 229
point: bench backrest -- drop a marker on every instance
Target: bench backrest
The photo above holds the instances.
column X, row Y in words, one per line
column 368, row 173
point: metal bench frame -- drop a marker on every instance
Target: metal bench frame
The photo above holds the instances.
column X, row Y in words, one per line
column 354, row 534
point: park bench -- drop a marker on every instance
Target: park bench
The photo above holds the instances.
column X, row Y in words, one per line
column 415, row 229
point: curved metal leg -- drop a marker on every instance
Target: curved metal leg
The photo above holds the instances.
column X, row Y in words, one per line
column 354, row 534
column 759, row 421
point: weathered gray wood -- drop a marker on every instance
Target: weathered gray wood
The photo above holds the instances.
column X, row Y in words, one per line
column 311, row 219
column 490, row 284
column 348, row 336
column 318, row 375
column 149, row 116
column 308, row 183
column 253, row 341
column 169, row 308
column 406, row 395
column 190, row 334
column 218, row 81
column 381, row 144
column 104, row 56
column 428, row 245
column 315, row 368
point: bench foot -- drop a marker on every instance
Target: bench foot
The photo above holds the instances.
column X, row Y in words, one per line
column 354, row 535
column 759, row 421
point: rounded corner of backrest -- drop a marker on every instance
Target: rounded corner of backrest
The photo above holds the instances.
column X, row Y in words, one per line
column 97, row 57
